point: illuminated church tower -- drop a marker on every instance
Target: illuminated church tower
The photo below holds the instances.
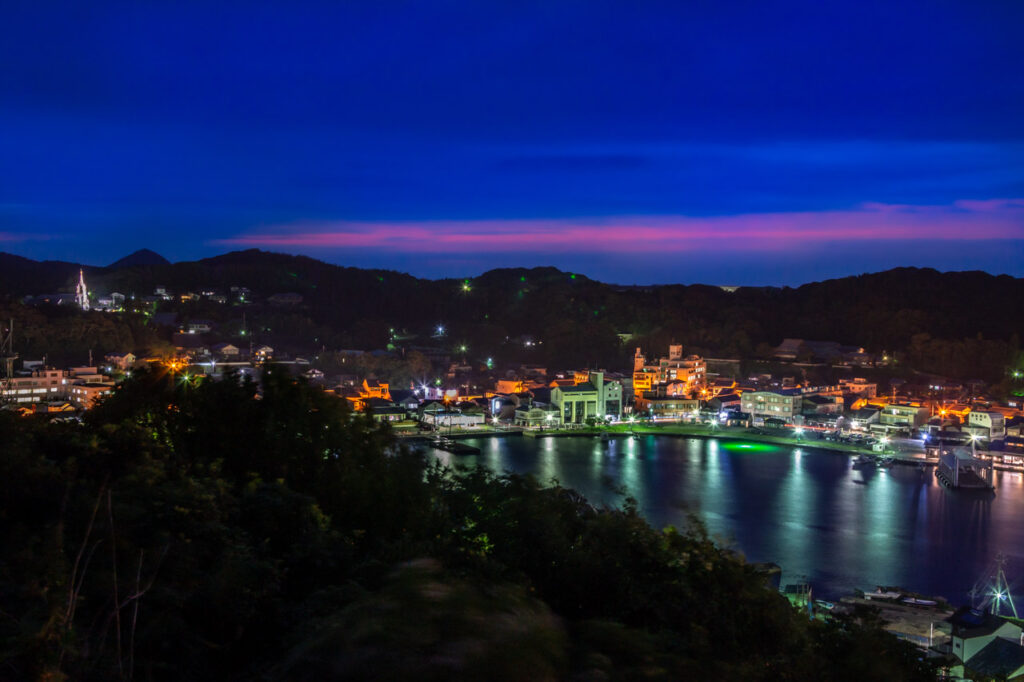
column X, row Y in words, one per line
column 81, row 293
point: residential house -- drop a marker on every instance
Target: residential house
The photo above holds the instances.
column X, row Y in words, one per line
column 975, row 632
column 122, row 361
column 226, row 350
column 903, row 415
column 860, row 386
column 822, row 404
column 263, row 353
column 372, row 388
column 864, row 417
column 199, row 327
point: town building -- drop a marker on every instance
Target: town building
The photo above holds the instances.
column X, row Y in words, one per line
column 597, row 398
column 783, row 403
column 42, row 385
column 689, row 374
column 122, row 361
column 904, row 415
column 987, row 644
column 667, row 407
column 226, row 350
column 988, row 425
column 86, row 394
column 859, row 386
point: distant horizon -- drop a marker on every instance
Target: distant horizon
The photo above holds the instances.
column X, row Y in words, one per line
column 635, row 142
column 516, row 266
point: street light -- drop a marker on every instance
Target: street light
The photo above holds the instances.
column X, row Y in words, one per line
column 799, row 432
column 974, row 441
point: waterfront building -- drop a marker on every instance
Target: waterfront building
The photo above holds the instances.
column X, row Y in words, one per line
column 784, row 403
column 988, row 425
column 667, row 407
column 450, row 417
column 597, row 398
column 537, row 416
column 903, row 415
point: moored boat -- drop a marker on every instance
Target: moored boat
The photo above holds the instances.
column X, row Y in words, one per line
column 863, row 461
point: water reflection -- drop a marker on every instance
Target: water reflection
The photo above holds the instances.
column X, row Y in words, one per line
column 806, row 510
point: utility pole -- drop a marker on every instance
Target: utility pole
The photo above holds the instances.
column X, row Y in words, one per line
column 7, row 358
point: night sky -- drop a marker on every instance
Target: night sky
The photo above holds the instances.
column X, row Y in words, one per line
column 726, row 143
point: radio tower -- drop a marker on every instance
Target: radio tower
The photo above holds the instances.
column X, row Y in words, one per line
column 81, row 293
column 7, row 358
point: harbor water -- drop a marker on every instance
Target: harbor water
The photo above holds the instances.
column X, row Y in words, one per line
column 810, row 511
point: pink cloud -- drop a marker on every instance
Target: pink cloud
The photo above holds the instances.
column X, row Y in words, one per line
column 964, row 220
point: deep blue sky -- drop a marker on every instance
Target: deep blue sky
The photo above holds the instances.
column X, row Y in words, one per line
column 746, row 142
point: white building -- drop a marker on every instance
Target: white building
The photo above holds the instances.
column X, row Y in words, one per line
column 43, row 385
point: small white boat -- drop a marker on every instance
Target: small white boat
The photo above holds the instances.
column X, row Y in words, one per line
column 919, row 602
column 878, row 594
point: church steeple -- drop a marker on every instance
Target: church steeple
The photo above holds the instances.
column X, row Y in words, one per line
column 81, row 293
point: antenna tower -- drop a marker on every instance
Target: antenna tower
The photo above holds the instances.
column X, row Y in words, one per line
column 992, row 592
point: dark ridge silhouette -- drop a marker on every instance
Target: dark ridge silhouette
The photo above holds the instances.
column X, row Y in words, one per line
column 139, row 258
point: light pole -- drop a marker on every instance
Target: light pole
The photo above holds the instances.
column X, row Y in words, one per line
column 799, row 432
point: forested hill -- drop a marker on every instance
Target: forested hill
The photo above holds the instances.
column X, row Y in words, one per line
column 880, row 311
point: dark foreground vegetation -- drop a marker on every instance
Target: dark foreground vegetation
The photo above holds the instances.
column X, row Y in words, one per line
column 197, row 531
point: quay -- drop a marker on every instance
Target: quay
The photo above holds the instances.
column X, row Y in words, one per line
column 625, row 431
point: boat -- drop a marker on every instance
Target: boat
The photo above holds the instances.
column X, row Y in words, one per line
column 879, row 594
column 887, row 462
column 862, row 461
column 914, row 601
column 605, row 437
column 822, row 604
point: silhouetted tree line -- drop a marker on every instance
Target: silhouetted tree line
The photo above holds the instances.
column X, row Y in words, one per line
column 579, row 319
column 229, row 530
